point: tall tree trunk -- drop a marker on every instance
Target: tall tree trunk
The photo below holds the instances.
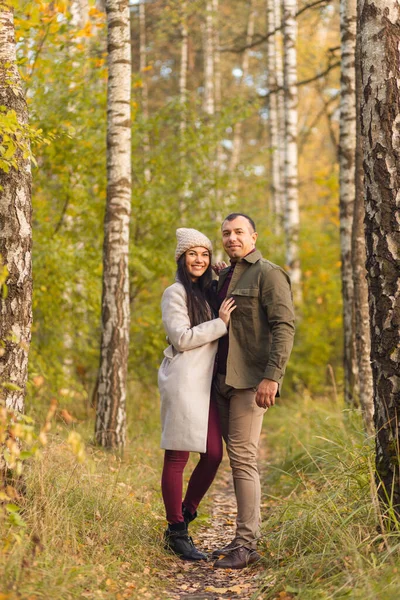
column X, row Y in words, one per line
column 380, row 70
column 209, row 102
column 292, row 214
column 280, row 108
column 217, row 61
column 347, row 152
column 111, row 415
column 274, row 163
column 145, row 89
column 361, row 309
column 237, row 129
column 183, row 97
column 79, row 12
column 15, row 230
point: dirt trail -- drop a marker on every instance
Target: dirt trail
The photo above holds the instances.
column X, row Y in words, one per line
column 200, row 581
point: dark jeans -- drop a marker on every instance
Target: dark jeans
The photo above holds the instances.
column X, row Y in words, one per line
column 201, row 478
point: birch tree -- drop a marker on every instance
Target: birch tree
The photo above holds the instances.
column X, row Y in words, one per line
column 15, row 223
column 237, row 129
column 380, row 111
column 347, row 186
column 292, row 215
column 111, row 412
column 361, row 309
column 145, row 90
column 217, row 61
column 80, row 12
column 280, row 108
column 273, row 121
column 183, row 96
column 209, row 100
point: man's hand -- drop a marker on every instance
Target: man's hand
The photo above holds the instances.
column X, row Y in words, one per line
column 266, row 392
column 217, row 268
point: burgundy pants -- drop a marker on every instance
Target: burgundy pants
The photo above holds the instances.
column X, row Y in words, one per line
column 201, row 478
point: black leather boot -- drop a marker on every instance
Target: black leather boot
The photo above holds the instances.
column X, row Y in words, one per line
column 188, row 517
column 180, row 543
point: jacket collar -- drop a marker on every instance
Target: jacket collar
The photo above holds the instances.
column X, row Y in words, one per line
column 251, row 258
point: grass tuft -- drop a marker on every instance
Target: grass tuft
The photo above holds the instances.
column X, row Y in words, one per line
column 321, row 534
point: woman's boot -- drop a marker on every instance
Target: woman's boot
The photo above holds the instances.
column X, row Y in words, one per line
column 188, row 517
column 180, row 543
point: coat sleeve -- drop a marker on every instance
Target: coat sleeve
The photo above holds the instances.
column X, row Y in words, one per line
column 177, row 324
column 278, row 305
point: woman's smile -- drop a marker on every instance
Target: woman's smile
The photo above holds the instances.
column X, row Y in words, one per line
column 197, row 262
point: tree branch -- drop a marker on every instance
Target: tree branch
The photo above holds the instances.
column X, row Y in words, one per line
column 306, row 132
column 260, row 39
column 306, row 81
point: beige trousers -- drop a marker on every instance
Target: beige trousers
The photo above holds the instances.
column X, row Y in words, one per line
column 241, row 422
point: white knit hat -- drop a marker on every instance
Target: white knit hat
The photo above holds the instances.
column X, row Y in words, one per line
column 190, row 238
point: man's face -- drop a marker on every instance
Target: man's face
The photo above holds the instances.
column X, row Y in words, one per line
column 238, row 237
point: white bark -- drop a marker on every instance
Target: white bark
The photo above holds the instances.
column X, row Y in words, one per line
column 183, row 96
column 209, row 102
column 347, row 183
column 237, row 129
column 280, row 107
column 380, row 113
column 15, row 233
column 292, row 215
column 183, row 66
column 145, row 89
column 217, row 60
column 79, row 12
column 111, row 418
column 358, row 251
column 275, row 170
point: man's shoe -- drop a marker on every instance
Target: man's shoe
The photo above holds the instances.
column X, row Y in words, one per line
column 180, row 543
column 238, row 558
column 226, row 549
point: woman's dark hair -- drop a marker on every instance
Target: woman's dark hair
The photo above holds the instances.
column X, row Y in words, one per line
column 197, row 293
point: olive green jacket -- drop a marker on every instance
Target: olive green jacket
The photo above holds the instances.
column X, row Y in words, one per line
column 261, row 329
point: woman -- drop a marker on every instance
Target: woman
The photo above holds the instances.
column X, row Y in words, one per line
column 189, row 420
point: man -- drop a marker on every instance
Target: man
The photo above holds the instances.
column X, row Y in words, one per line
column 251, row 365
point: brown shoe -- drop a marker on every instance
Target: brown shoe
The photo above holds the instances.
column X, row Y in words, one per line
column 226, row 549
column 238, row 558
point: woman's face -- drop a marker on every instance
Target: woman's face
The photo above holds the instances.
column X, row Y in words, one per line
column 197, row 260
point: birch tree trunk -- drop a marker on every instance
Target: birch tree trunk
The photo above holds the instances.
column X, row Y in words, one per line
column 292, row 215
column 209, row 103
column 275, row 170
column 347, row 186
column 361, row 309
column 79, row 12
column 237, row 129
column 217, row 61
column 145, row 89
column 111, row 415
column 183, row 96
column 15, row 230
column 380, row 70
column 280, row 107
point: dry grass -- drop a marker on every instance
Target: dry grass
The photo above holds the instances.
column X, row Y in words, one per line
column 321, row 531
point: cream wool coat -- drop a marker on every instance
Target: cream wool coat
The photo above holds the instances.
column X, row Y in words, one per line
column 185, row 375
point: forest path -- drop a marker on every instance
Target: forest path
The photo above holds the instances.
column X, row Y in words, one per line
column 200, row 581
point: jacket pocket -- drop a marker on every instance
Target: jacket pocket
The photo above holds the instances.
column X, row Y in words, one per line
column 246, row 300
column 252, row 292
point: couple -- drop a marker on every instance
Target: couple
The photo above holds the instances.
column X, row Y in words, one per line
column 248, row 317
